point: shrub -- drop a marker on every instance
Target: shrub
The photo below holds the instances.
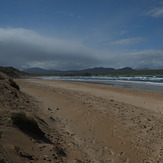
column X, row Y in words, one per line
column 27, row 125
column 13, row 84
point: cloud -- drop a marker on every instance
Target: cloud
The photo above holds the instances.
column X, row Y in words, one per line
column 156, row 12
column 127, row 41
column 148, row 58
column 25, row 48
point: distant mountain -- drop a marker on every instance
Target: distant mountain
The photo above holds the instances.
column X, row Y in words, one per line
column 125, row 69
column 98, row 70
column 35, row 70
column 90, row 71
column 12, row 72
column 144, row 69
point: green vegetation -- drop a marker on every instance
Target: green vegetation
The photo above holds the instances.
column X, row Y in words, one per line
column 12, row 72
column 27, row 124
column 139, row 72
column 13, row 84
column 114, row 73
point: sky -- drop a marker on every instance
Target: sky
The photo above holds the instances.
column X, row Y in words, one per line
column 79, row 34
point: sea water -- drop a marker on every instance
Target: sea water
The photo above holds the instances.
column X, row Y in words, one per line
column 151, row 83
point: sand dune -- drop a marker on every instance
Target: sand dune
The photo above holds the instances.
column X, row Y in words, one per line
column 18, row 146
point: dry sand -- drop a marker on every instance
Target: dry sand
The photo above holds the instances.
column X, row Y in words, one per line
column 99, row 123
column 17, row 146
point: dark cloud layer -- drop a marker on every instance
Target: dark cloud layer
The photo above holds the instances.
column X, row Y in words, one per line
column 24, row 48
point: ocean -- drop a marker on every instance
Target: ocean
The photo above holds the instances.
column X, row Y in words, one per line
column 151, row 83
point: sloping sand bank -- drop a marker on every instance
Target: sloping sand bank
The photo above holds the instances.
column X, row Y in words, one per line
column 100, row 123
column 26, row 136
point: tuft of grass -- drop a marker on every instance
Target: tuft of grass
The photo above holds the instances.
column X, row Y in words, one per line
column 13, row 84
column 27, row 125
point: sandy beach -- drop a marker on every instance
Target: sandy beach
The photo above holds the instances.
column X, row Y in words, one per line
column 100, row 123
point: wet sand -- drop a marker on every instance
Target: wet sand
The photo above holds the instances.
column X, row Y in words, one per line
column 100, row 123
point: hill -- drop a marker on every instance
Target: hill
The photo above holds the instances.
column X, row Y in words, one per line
column 37, row 70
column 12, row 72
column 95, row 71
column 90, row 71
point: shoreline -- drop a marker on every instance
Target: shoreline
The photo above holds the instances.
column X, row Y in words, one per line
column 104, row 123
column 136, row 85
